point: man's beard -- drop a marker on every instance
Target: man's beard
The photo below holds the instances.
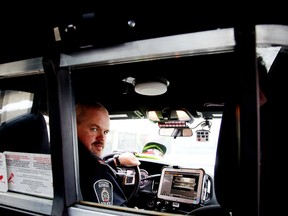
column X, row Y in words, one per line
column 97, row 148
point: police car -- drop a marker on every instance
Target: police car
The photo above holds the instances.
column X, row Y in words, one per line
column 199, row 104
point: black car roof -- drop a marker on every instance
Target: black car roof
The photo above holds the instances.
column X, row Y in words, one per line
column 27, row 28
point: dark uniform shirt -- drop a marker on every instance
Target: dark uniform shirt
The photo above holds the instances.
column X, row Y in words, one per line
column 98, row 180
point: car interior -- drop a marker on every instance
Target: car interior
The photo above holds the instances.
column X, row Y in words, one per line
column 180, row 81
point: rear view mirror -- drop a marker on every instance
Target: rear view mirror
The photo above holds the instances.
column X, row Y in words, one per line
column 176, row 132
column 172, row 122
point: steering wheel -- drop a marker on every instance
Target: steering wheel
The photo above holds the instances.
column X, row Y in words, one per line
column 123, row 173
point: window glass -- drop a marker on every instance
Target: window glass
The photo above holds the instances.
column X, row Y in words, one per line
column 24, row 146
column 14, row 103
column 132, row 135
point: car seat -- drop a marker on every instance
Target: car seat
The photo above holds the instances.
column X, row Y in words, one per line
column 27, row 133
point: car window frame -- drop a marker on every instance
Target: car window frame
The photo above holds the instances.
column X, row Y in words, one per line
column 61, row 97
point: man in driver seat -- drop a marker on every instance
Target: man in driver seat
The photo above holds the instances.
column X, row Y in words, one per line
column 98, row 180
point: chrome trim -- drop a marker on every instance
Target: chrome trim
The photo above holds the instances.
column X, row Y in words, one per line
column 26, row 202
column 274, row 35
column 23, row 67
column 157, row 48
column 98, row 209
column 219, row 40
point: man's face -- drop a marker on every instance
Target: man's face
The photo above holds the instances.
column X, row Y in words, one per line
column 93, row 129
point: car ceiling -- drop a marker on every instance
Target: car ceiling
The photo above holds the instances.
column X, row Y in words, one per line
column 193, row 82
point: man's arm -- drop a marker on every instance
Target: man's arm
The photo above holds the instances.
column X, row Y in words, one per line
column 125, row 159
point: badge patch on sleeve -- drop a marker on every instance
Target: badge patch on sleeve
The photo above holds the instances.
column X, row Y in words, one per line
column 104, row 191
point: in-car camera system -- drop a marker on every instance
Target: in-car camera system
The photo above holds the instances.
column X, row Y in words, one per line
column 181, row 185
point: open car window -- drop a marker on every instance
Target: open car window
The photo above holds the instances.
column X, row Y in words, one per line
column 196, row 151
column 221, row 159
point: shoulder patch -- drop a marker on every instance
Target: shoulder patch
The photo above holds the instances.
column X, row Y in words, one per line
column 104, row 191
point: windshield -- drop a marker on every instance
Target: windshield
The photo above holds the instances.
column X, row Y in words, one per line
column 132, row 135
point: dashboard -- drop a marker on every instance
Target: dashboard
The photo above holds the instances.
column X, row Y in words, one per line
column 172, row 189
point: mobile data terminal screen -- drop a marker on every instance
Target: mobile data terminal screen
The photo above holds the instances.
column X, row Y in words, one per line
column 181, row 185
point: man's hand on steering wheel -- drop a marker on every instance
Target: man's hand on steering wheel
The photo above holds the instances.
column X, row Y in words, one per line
column 127, row 159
